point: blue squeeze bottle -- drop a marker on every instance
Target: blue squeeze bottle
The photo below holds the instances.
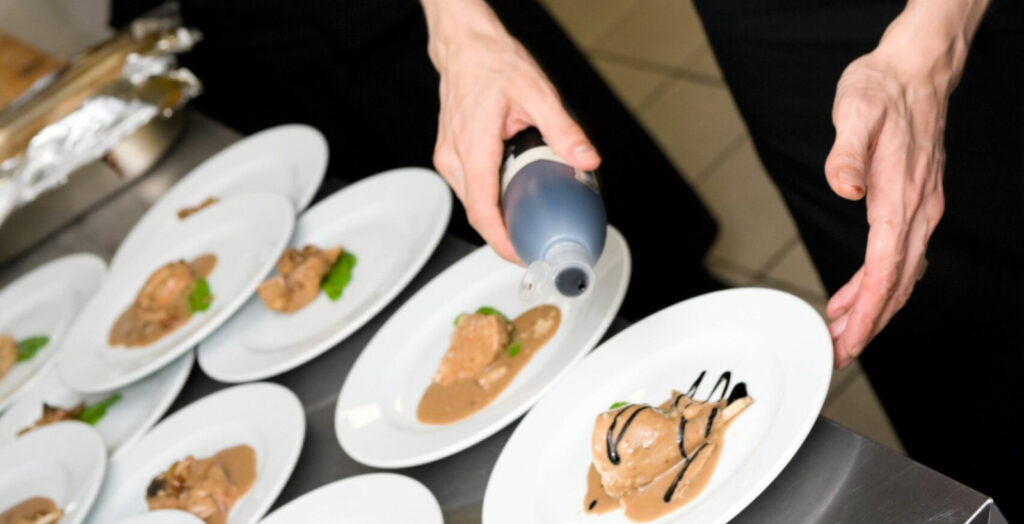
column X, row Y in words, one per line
column 554, row 215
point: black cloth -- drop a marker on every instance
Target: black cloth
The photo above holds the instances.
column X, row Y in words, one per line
column 948, row 366
column 359, row 72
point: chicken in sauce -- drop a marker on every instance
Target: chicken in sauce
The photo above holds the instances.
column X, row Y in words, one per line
column 8, row 353
column 300, row 273
column 207, row 488
column 36, row 510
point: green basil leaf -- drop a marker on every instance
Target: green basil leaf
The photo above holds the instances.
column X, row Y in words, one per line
column 94, row 413
column 617, row 405
column 489, row 311
column 28, row 347
column 514, row 349
column 458, row 318
column 200, row 298
column 339, row 276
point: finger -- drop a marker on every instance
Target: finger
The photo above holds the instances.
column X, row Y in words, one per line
column 480, row 154
column 917, row 242
column 882, row 264
column 840, row 303
column 560, row 131
column 858, row 120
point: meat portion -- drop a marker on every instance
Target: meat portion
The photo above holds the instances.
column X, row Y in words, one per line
column 207, row 488
column 478, row 339
column 162, row 304
column 8, row 353
column 298, row 280
column 644, row 446
column 36, row 510
column 53, row 414
column 186, row 212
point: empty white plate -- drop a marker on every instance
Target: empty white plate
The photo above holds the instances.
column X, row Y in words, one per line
column 772, row 341
column 267, row 417
column 289, row 160
column 380, row 498
column 63, row 462
column 247, row 234
column 391, row 222
column 44, row 302
column 163, row 516
column 375, row 418
column 141, row 404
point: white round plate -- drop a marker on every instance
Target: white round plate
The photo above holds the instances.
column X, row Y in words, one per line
column 44, row 302
column 163, row 516
column 63, row 462
column 380, row 498
column 375, row 418
column 289, row 160
column 772, row 341
column 267, row 417
column 247, row 234
column 141, row 404
column 391, row 222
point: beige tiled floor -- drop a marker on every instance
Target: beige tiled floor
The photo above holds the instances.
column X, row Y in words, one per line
column 655, row 56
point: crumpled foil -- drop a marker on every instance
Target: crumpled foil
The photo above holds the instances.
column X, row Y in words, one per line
column 150, row 85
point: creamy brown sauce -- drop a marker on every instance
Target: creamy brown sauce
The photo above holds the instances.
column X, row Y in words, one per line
column 36, row 510
column 651, row 461
column 8, row 353
column 161, row 306
column 186, row 212
column 54, row 414
column 208, row 488
column 444, row 403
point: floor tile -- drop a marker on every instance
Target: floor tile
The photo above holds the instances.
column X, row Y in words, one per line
column 702, row 62
column 796, row 270
column 661, row 31
column 693, row 123
column 730, row 274
column 588, row 20
column 842, row 379
column 753, row 222
column 631, row 84
column 859, row 409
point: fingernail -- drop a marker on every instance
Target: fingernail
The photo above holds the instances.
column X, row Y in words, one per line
column 584, row 153
column 848, row 178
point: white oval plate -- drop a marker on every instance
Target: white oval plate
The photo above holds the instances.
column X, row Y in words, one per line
column 773, row 341
column 267, row 417
column 289, row 160
column 380, row 498
column 392, row 222
column 375, row 418
column 163, row 516
column 141, row 404
column 45, row 301
column 63, row 462
column 247, row 233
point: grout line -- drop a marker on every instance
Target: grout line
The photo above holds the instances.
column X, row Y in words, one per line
column 615, row 26
column 731, row 147
column 650, row 98
column 677, row 71
column 777, row 257
column 729, row 265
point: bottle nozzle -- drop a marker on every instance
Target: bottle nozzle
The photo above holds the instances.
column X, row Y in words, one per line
column 566, row 268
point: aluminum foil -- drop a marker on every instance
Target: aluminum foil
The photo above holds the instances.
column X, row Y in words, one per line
column 151, row 85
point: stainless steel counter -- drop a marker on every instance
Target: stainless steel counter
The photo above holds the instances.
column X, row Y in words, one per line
column 836, row 476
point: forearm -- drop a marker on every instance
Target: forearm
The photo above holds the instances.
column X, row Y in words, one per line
column 452, row 21
column 931, row 38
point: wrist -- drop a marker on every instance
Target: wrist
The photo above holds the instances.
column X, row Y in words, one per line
column 929, row 40
column 453, row 22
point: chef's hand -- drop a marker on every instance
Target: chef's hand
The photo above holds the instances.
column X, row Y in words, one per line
column 889, row 114
column 490, row 89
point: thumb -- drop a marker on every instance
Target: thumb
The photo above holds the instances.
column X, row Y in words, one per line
column 564, row 135
column 846, row 166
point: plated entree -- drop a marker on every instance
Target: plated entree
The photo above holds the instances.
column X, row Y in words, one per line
column 170, row 296
column 651, row 460
column 14, row 351
column 486, row 352
column 35, row 510
column 207, row 488
column 302, row 274
column 89, row 413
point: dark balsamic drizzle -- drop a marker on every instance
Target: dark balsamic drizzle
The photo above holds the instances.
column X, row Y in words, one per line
column 725, row 378
column 738, row 392
column 613, row 453
column 675, row 483
column 680, row 436
column 592, row 504
column 711, row 420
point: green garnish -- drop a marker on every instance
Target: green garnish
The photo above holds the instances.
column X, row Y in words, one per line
column 617, row 405
column 489, row 311
column 339, row 276
column 28, row 347
column 200, row 298
column 92, row 414
column 458, row 318
column 514, row 349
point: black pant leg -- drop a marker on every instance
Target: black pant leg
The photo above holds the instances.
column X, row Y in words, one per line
column 947, row 366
